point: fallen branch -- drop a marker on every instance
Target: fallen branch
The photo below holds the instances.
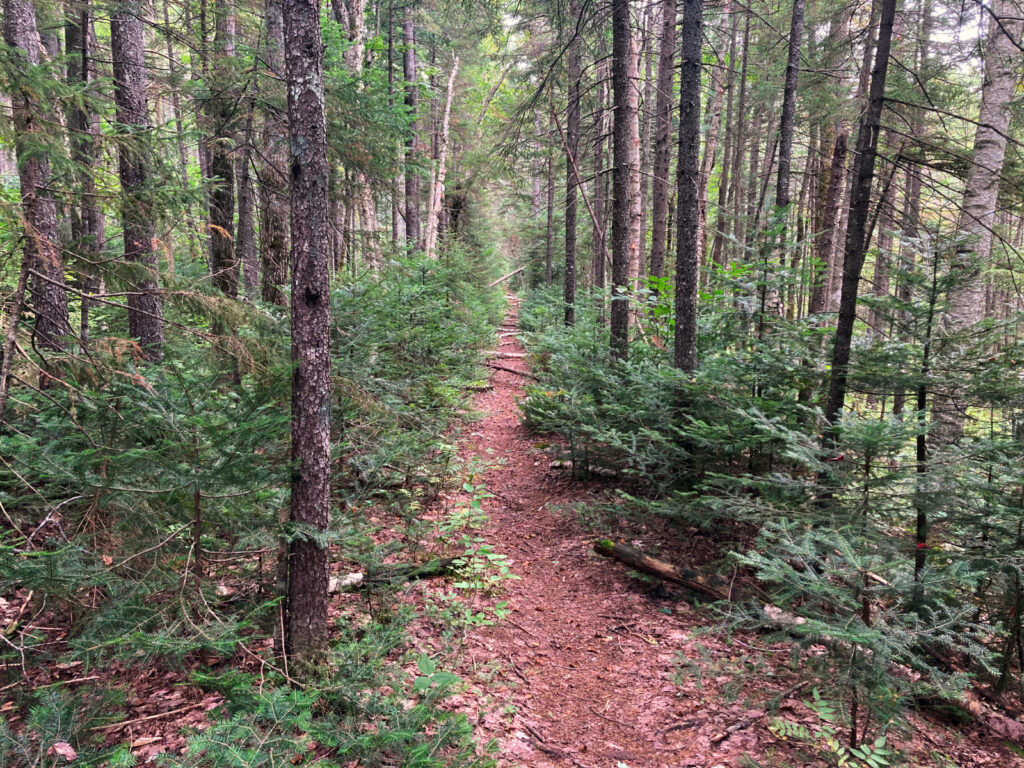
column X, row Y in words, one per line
column 396, row 574
column 503, row 278
column 497, row 367
column 654, row 567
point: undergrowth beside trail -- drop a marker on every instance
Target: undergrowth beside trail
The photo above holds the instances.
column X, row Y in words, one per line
column 877, row 622
column 146, row 536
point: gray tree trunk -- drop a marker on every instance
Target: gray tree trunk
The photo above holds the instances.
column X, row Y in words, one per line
column 687, row 179
column 306, row 625
column 977, row 212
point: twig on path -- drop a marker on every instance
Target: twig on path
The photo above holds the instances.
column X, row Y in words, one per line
column 515, row 668
column 613, row 720
column 520, row 626
column 157, row 716
column 524, row 374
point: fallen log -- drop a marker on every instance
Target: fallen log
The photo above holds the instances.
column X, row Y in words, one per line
column 654, row 567
column 396, row 574
column 503, row 278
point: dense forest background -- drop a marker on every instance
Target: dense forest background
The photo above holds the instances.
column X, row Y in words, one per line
column 253, row 267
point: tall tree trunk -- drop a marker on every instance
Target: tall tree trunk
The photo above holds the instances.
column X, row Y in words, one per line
column 412, row 179
column 245, row 237
column 599, row 233
column 145, row 321
column 572, row 180
column 625, row 168
column 710, row 155
column 663, row 138
column 274, row 169
column 637, row 232
column 687, row 178
column 437, row 188
column 830, row 187
column 718, row 252
column 220, row 116
column 306, row 632
column 88, row 225
column 48, row 296
column 549, row 245
column 788, row 118
column 977, row 213
column 856, row 235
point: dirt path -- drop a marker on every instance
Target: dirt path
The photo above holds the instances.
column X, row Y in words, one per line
column 589, row 659
column 595, row 668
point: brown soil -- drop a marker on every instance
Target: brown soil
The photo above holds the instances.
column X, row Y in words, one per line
column 595, row 667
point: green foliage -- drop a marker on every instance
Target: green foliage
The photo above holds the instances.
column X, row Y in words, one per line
column 145, row 506
column 825, row 738
column 735, row 447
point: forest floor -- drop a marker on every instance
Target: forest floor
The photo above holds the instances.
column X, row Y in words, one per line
column 595, row 666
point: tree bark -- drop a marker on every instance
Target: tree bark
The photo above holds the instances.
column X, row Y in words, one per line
column 599, row 233
column 245, row 237
column 145, row 309
column 788, row 118
column 663, row 138
column 654, row 567
column 306, row 633
column 624, row 174
column 88, row 224
column 274, row 168
column 220, row 111
column 830, row 187
column 412, row 179
column 856, row 235
column 977, row 212
column 437, row 188
column 48, row 297
column 687, row 179
column 572, row 182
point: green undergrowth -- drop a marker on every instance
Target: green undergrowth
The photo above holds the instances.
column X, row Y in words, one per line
column 828, row 533
column 142, row 512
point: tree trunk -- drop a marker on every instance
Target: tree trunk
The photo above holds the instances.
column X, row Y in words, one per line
column 412, row 179
column 549, row 247
column 663, row 138
column 88, row 225
column 274, row 169
column 788, row 117
column 48, row 297
column 830, row 187
column 145, row 321
column 572, row 181
column 856, row 235
column 306, row 632
column 220, row 111
column 245, row 236
column 977, row 213
column 687, row 179
column 624, row 174
column 599, row 234
column 718, row 252
column 714, row 124
column 437, row 189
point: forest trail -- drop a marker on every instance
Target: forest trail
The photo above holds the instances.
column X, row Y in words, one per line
column 586, row 657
